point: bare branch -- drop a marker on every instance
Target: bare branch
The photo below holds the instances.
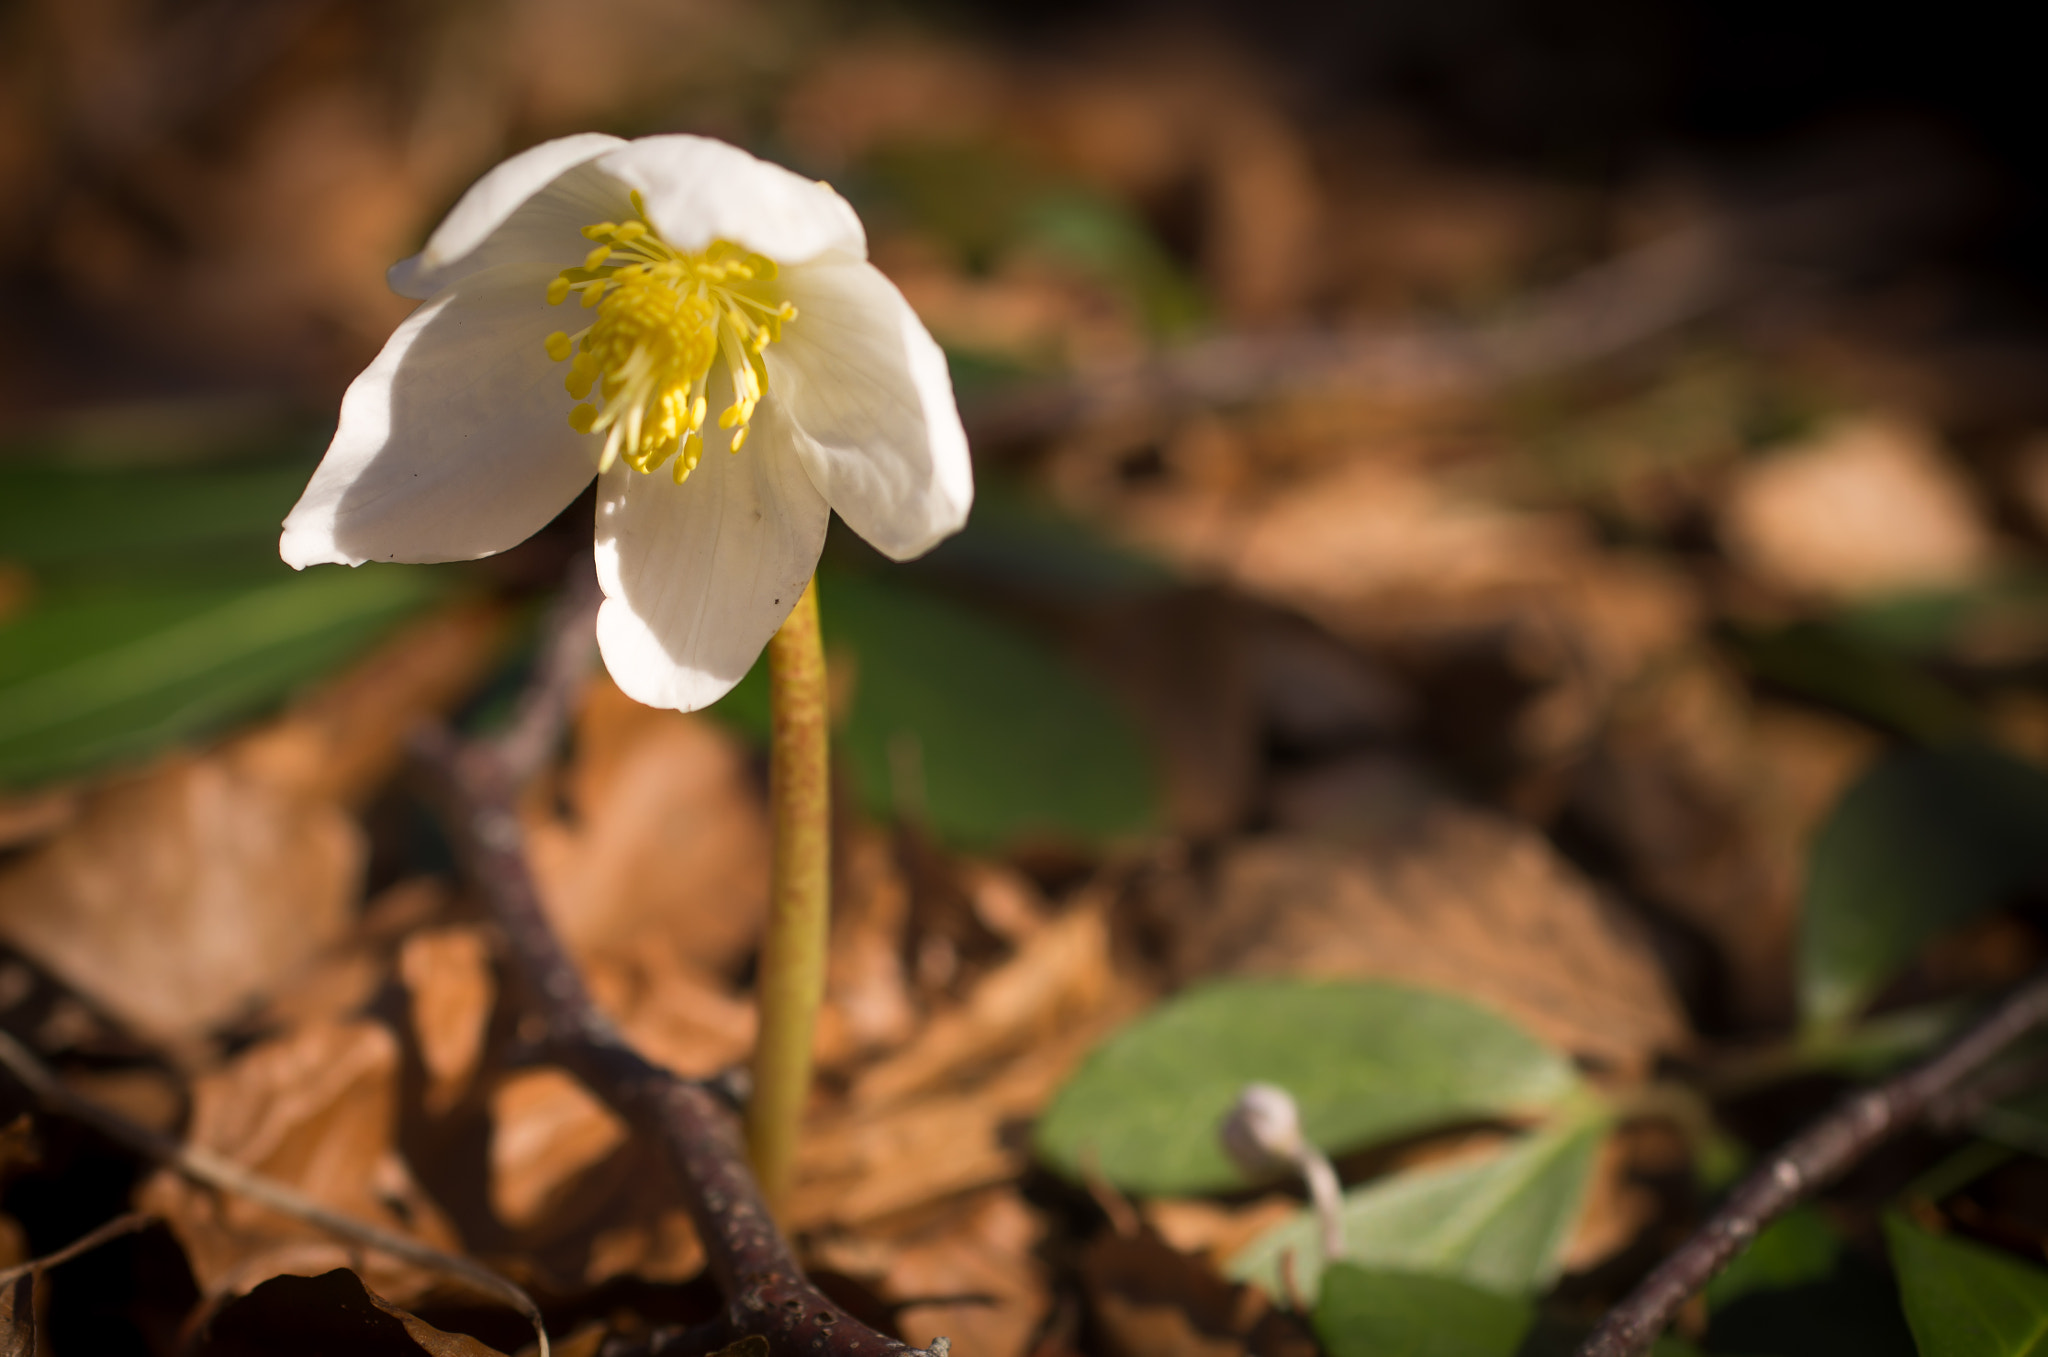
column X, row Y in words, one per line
column 1803, row 1164
column 768, row 1299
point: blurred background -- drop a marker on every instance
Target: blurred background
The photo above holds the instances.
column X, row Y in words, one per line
column 1542, row 500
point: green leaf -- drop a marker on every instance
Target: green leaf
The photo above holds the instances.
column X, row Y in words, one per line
column 1964, row 1300
column 1836, row 666
column 1364, row 1061
column 115, row 673
column 1925, row 842
column 1380, row 1313
column 972, row 727
column 1499, row 1223
column 71, row 520
column 1798, row 1248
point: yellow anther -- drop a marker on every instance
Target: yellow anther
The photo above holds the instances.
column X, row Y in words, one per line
column 664, row 320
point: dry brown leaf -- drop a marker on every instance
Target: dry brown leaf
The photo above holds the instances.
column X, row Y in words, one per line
column 1215, row 1230
column 1710, row 800
column 447, row 971
column 1401, row 883
column 665, row 844
column 547, row 1130
column 317, row 1111
column 1869, row 506
column 858, row 1166
column 975, row 1278
column 1152, row 1301
column 867, row 996
column 1061, row 974
column 183, row 894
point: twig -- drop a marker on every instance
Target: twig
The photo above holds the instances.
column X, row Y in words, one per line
column 1608, row 309
column 1605, row 310
column 222, row 1174
column 768, row 1300
column 565, row 657
column 1810, row 1159
column 85, row 1243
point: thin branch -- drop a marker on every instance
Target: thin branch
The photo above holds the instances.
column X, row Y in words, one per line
column 564, row 659
column 768, row 1300
column 1806, row 1162
column 224, row 1175
column 1605, row 310
column 1610, row 308
column 85, row 1243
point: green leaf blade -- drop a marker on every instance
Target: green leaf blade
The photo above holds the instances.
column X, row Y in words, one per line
column 1500, row 1223
column 1380, row 1313
column 117, row 672
column 1923, row 843
column 1364, row 1061
column 1964, row 1300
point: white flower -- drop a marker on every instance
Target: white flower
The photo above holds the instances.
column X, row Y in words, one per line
column 735, row 370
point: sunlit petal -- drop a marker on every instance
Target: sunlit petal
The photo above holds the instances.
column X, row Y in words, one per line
column 453, row 442
column 869, row 407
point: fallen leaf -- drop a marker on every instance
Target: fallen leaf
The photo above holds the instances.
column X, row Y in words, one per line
column 974, row 1278
column 182, row 895
column 1409, row 885
column 315, row 1110
column 1062, row 973
column 447, row 972
column 1154, row 1301
column 547, row 1131
column 330, row 1315
column 664, row 845
column 1869, row 506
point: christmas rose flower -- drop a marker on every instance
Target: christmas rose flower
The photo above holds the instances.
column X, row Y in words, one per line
column 698, row 329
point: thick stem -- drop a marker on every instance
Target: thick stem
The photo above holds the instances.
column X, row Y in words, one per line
column 792, row 981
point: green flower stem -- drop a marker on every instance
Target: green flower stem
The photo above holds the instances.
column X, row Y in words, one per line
column 793, row 955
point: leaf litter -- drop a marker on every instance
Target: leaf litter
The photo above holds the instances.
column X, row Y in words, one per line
column 1439, row 682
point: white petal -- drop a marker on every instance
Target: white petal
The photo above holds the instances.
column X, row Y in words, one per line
column 698, row 576
column 698, row 190
column 455, row 442
column 867, row 400
column 532, row 207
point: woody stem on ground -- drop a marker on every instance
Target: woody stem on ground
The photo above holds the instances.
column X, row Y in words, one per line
column 769, row 1304
column 1811, row 1159
column 792, row 976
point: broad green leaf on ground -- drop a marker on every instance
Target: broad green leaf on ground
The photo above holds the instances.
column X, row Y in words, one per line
column 94, row 676
column 71, row 520
column 1371, row 1313
column 1844, row 670
column 969, row 725
column 1965, row 1300
column 1926, row 841
column 1798, row 1248
column 1498, row 1223
column 1019, row 543
column 1365, row 1061
column 1365, row 1312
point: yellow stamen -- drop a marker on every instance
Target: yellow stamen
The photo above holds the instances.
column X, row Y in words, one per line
column 664, row 318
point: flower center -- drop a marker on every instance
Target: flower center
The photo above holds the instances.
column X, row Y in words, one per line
column 664, row 318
